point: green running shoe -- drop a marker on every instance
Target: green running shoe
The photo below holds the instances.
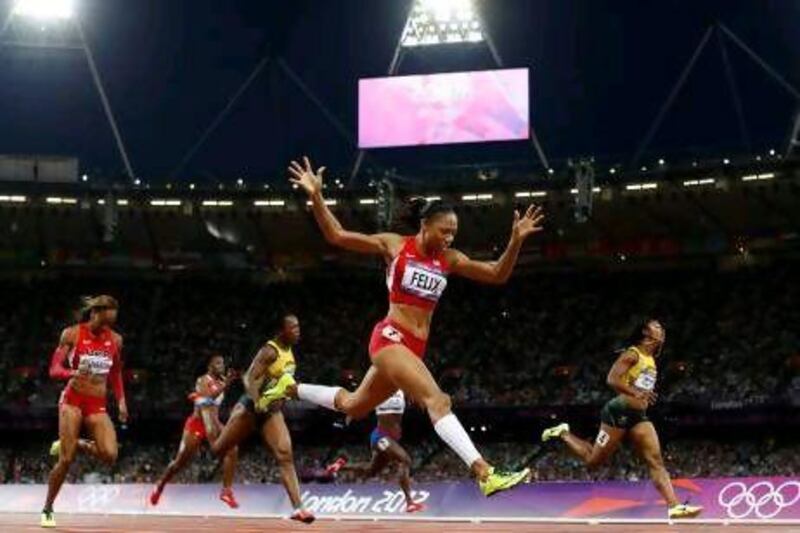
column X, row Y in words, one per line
column 278, row 392
column 48, row 520
column 554, row 432
column 498, row 482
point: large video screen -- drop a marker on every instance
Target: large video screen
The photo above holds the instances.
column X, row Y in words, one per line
column 459, row 107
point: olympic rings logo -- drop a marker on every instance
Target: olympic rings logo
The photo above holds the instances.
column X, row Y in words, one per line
column 763, row 498
column 97, row 497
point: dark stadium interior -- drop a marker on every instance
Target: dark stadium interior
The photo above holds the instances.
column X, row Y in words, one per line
column 691, row 216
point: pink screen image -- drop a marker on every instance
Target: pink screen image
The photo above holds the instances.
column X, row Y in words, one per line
column 458, row 107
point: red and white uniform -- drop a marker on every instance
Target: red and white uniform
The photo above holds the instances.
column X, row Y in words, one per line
column 415, row 280
column 96, row 354
column 194, row 423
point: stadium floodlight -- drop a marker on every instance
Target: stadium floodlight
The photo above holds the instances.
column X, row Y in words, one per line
column 435, row 22
column 44, row 9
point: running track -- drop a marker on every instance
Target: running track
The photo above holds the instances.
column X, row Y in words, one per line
column 150, row 524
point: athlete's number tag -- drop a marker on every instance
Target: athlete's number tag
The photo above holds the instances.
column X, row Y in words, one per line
column 602, row 439
column 646, row 381
column 423, row 282
column 97, row 364
column 392, row 334
column 204, row 401
column 383, row 444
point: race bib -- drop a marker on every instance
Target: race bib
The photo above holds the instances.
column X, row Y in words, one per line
column 96, row 364
column 645, row 381
column 423, row 282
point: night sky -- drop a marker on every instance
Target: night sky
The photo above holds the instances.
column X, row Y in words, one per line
column 601, row 70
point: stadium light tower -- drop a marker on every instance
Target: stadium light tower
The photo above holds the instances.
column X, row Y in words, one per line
column 44, row 9
column 439, row 23
column 55, row 24
column 433, row 22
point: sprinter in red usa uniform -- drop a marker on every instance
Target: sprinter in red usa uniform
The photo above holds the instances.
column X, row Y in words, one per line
column 418, row 267
column 88, row 357
column 204, row 425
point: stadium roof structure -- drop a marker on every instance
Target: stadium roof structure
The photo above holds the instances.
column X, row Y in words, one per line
column 207, row 89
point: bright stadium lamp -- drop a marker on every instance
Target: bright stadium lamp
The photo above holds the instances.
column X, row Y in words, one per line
column 44, row 9
column 435, row 22
column 56, row 25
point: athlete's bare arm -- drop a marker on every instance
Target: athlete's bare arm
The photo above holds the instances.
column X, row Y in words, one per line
column 115, row 379
column 498, row 272
column 386, row 245
column 65, row 345
column 254, row 378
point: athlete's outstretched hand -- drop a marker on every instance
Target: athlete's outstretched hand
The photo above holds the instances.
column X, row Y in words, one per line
column 529, row 223
column 305, row 177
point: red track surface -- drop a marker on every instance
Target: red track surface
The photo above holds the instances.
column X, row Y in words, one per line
column 149, row 524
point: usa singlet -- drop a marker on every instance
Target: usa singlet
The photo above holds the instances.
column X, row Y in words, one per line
column 415, row 280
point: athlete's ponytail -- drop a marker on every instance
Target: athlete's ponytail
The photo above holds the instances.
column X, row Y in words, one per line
column 84, row 310
column 418, row 209
column 88, row 303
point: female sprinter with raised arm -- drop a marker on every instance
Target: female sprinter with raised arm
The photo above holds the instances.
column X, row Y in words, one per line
column 418, row 267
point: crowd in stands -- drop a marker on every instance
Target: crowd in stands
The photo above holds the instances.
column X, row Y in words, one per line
column 544, row 339
column 144, row 463
column 683, row 458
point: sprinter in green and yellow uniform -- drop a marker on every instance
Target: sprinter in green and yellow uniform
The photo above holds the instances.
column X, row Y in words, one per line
column 633, row 378
column 273, row 361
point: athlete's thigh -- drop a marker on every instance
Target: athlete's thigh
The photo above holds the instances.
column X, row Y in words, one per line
column 276, row 434
column 240, row 424
column 188, row 446
column 210, row 422
column 373, row 390
column 103, row 433
column 645, row 440
column 70, row 420
column 407, row 372
column 606, row 443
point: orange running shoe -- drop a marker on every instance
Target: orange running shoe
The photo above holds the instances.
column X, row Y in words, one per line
column 226, row 495
column 335, row 466
column 155, row 495
column 301, row 515
column 415, row 507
